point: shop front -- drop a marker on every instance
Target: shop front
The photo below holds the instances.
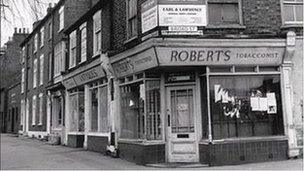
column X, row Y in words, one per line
column 87, row 122
column 209, row 101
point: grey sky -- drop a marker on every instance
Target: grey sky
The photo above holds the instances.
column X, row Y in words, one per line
column 20, row 14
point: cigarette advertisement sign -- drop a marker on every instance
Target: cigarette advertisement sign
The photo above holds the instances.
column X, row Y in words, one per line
column 176, row 14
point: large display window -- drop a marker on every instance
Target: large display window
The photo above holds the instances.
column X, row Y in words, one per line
column 99, row 109
column 77, row 111
column 245, row 106
column 140, row 104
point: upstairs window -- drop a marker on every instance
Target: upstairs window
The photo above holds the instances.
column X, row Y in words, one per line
column 50, row 30
column 83, row 49
column 293, row 11
column 35, row 74
column 223, row 12
column 61, row 18
column 35, row 43
column 40, row 108
column 23, row 56
column 41, row 69
column 73, row 49
column 50, row 66
column 131, row 18
column 97, row 32
column 22, row 80
column 59, row 57
column 42, row 37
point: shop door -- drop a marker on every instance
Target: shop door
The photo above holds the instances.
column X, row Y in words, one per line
column 181, row 130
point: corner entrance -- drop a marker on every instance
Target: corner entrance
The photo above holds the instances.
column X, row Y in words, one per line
column 181, row 130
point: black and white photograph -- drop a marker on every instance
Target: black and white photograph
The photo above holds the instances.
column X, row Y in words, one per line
column 151, row 84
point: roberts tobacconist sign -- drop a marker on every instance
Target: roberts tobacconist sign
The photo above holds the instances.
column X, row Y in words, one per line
column 176, row 15
column 168, row 56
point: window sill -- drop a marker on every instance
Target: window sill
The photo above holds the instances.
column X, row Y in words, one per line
column 287, row 26
column 228, row 26
column 40, row 124
column 131, row 40
column 141, row 141
column 95, row 55
column 248, row 139
column 41, row 46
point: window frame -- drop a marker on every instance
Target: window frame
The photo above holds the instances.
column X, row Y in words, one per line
column 41, row 75
column 42, row 34
column 40, row 109
column 35, row 43
column 73, row 49
column 35, row 70
column 50, row 31
column 83, row 42
column 59, row 59
column 61, row 18
column 22, row 80
column 97, row 33
column 34, row 110
column 129, row 19
column 283, row 2
column 240, row 15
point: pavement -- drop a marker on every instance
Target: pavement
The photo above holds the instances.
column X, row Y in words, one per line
column 21, row 153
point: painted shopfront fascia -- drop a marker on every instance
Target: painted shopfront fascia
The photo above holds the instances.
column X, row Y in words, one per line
column 210, row 52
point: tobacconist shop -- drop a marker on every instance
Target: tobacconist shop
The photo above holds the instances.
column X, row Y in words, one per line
column 213, row 101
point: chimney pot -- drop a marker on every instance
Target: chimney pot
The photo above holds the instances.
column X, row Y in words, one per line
column 15, row 29
column 23, row 30
column 20, row 30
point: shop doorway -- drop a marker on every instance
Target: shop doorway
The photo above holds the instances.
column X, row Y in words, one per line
column 181, row 128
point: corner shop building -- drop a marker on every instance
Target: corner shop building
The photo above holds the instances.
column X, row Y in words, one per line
column 215, row 101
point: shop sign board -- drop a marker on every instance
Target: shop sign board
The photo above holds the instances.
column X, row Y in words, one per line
column 149, row 14
column 173, row 56
column 84, row 77
column 69, row 83
column 139, row 62
column 176, row 13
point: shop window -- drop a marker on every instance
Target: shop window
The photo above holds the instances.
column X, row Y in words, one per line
column 245, row 106
column 131, row 18
column 293, row 11
column 223, row 12
column 99, row 109
column 136, row 122
column 220, row 69
column 77, row 112
column 57, row 112
column 245, row 69
column 268, row 68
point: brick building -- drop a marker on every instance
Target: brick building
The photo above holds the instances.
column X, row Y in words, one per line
column 43, row 63
column 216, row 82
column 10, row 69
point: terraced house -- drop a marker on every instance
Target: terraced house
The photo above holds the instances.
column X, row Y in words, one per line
column 211, row 81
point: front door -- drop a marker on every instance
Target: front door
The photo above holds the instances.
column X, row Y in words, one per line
column 181, row 130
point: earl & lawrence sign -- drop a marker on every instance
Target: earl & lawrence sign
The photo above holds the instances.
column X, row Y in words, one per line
column 177, row 14
column 168, row 56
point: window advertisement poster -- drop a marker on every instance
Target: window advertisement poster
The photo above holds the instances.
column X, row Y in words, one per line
column 272, row 103
column 149, row 14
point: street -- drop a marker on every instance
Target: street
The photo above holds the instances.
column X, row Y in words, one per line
column 26, row 153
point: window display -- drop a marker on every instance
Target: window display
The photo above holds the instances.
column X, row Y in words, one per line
column 77, row 112
column 136, row 121
column 244, row 106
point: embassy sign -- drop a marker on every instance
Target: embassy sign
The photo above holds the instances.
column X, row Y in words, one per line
column 193, row 56
column 178, row 16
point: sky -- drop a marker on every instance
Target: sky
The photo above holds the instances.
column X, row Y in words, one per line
column 21, row 14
